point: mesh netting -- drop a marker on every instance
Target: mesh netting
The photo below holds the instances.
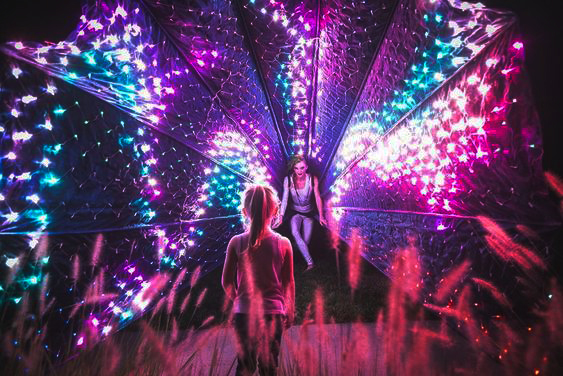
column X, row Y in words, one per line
column 127, row 145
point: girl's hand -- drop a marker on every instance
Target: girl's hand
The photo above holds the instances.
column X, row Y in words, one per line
column 323, row 221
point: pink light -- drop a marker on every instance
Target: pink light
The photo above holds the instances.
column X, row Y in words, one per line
column 200, row 62
column 80, row 341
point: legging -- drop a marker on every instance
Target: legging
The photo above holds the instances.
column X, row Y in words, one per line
column 302, row 237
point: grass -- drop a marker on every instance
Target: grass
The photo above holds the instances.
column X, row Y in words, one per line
column 389, row 331
column 330, row 276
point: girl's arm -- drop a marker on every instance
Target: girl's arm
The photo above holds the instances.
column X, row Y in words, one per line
column 229, row 270
column 284, row 199
column 319, row 201
column 288, row 282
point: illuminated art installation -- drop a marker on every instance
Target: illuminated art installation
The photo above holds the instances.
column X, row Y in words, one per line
column 129, row 142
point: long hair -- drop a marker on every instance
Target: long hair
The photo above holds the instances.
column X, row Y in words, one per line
column 261, row 203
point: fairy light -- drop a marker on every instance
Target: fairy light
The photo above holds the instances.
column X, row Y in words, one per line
column 16, row 72
column 11, row 217
column 117, row 60
column 12, row 262
column 453, row 137
column 21, row 136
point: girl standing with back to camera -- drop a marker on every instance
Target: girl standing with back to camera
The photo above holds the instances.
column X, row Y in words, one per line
column 258, row 276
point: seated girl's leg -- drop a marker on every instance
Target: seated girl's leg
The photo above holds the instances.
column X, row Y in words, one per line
column 307, row 229
column 296, row 223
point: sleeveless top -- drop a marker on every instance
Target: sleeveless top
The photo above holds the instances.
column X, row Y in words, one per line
column 302, row 197
column 259, row 272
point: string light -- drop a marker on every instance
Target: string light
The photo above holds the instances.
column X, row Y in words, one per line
column 181, row 136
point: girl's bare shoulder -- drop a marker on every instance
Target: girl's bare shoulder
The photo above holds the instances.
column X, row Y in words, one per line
column 285, row 241
column 236, row 240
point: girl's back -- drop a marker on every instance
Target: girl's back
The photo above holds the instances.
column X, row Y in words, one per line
column 259, row 274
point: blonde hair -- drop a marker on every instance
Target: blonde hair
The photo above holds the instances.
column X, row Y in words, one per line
column 260, row 203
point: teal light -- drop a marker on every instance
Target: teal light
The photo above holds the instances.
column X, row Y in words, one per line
column 89, row 57
column 51, row 179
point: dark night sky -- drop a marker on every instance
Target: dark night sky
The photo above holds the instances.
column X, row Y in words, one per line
column 53, row 20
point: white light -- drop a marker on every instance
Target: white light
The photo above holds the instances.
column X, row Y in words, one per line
column 74, row 50
column 106, row 329
column 476, row 122
column 47, row 125
column 491, row 62
column 490, row 29
column 120, row 11
column 456, row 61
column 28, row 99
column 471, row 80
column 33, row 198
column 456, row 42
column 21, row 136
column 16, row 72
column 51, row 89
column 12, row 217
column 483, row 89
column 11, row 262
column 24, row 176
